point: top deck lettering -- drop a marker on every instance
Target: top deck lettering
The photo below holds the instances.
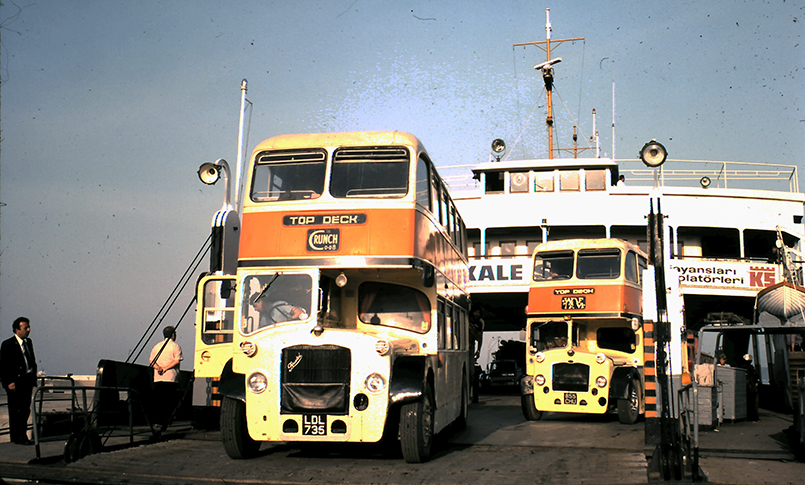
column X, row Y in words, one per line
column 324, row 220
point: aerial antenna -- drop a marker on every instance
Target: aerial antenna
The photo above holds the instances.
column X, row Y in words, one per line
column 547, row 72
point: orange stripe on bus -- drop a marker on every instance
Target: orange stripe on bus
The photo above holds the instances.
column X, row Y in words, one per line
column 386, row 232
column 615, row 297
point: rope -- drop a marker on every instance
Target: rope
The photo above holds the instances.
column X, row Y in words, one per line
column 174, row 295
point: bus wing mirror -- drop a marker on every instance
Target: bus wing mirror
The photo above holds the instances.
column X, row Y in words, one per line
column 428, row 276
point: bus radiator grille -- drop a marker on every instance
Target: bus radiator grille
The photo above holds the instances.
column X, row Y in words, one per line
column 315, row 379
column 570, row 377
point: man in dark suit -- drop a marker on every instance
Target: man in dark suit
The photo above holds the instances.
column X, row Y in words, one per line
column 18, row 372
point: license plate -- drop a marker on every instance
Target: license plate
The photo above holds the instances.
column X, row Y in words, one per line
column 571, row 398
column 314, row 424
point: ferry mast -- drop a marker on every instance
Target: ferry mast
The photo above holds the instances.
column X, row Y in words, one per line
column 547, row 72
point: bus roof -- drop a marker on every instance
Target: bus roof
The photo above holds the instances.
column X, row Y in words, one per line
column 567, row 244
column 357, row 138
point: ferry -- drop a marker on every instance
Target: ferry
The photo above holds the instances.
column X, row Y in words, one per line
column 728, row 227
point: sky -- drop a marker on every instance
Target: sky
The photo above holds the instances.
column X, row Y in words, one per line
column 107, row 109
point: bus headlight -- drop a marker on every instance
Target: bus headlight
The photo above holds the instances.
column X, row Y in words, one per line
column 375, row 383
column 539, row 380
column 382, row 347
column 539, row 357
column 257, row 382
column 601, row 381
column 600, row 358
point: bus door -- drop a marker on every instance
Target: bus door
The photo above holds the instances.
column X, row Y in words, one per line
column 215, row 323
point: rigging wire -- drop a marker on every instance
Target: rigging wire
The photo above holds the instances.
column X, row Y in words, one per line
column 174, row 295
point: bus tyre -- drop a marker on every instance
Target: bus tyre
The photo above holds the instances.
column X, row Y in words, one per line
column 234, row 433
column 530, row 411
column 629, row 408
column 416, row 428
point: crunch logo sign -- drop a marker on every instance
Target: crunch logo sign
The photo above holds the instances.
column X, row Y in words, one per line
column 319, row 240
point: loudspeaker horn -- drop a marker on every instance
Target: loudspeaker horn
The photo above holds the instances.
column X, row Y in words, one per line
column 209, row 173
column 653, row 154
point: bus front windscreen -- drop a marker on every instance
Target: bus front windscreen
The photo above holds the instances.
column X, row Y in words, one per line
column 374, row 172
column 597, row 264
column 394, row 306
column 288, row 176
column 553, row 265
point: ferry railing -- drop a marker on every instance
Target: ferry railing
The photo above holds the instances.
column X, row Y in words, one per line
column 722, row 174
column 83, row 417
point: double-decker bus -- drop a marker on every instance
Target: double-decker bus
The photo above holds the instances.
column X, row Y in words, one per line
column 346, row 320
column 585, row 348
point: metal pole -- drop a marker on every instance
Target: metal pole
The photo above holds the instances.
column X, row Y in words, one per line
column 238, row 182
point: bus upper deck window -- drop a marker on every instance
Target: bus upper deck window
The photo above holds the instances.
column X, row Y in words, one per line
column 553, row 265
column 394, row 306
column 288, row 176
column 599, row 264
column 370, row 172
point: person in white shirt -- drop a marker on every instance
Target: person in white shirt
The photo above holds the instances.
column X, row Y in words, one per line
column 165, row 359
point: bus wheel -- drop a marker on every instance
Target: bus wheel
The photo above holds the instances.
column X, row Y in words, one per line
column 529, row 408
column 234, row 433
column 416, row 428
column 629, row 409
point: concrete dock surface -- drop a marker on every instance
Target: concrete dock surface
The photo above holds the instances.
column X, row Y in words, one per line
column 498, row 447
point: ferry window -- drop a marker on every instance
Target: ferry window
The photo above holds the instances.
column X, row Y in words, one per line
column 595, row 180
column 549, row 335
column 394, row 306
column 275, row 298
column 518, row 182
column 715, row 242
column 476, row 249
column 370, row 172
column 620, row 339
column 508, row 248
column 569, row 180
column 288, row 176
column 530, row 246
column 630, row 267
column 219, row 312
column 543, row 181
column 494, row 182
column 758, row 244
column 597, row 264
column 553, row 265
column 422, row 184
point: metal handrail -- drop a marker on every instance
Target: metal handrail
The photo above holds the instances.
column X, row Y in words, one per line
column 130, row 393
column 688, row 399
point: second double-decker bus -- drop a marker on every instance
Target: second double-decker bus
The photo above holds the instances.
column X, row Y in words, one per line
column 346, row 320
column 584, row 352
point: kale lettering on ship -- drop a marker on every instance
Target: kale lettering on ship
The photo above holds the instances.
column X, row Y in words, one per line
column 323, row 240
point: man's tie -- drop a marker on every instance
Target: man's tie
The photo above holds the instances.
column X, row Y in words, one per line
column 26, row 352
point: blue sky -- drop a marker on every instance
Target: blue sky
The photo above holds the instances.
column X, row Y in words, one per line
column 109, row 107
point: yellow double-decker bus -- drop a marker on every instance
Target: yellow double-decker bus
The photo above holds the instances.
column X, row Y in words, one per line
column 585, row 340
column 346, row 320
